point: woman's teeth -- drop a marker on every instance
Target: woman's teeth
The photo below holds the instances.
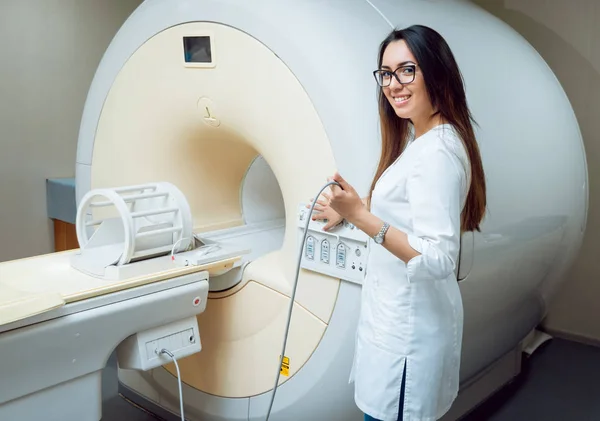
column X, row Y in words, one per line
column 399, row 99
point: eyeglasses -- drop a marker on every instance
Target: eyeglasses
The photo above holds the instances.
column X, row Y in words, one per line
column 403, row 74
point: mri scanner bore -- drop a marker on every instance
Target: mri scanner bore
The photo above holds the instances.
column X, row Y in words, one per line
column 246, row 108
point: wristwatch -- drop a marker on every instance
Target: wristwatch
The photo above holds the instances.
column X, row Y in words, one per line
column 381, row 234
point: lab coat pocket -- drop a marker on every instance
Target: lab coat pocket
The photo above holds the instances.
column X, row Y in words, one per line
column 416, row 272
column 378, row 379
column 392, row 308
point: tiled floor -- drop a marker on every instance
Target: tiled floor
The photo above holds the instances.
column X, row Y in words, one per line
column 560, row 382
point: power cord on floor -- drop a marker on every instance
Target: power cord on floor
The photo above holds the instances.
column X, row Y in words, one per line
column 292, row 298
column 170, row 354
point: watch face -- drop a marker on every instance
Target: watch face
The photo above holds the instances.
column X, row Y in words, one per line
column 378, row 239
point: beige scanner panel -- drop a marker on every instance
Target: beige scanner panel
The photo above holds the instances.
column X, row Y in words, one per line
column 200, row 127
column 241, row 361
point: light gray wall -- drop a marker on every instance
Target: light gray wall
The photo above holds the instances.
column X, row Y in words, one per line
column 49, row 51
column 566, row 33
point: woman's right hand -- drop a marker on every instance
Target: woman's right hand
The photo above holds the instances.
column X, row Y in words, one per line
column 322, row 211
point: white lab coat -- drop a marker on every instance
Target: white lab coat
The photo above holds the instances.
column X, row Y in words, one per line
column 411, row 314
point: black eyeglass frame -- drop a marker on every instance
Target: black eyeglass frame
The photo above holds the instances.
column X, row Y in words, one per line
column 405, row 66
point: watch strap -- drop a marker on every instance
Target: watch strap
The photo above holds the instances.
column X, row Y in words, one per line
column 381, row 234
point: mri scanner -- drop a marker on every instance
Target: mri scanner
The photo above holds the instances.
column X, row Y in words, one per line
column 207, row 126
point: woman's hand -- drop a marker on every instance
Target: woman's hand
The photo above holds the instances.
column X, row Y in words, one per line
column 345, row 201
column 324, row 211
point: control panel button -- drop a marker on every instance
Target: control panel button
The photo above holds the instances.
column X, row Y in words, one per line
column 341, row 256
column 310, row 247
column 325, row 251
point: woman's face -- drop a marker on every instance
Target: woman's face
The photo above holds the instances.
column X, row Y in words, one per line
column 410, row 100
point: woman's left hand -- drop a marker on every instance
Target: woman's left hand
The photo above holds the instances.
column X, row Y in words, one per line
column 345, row 200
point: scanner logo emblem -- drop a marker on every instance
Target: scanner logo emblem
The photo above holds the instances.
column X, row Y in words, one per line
column 208, row 110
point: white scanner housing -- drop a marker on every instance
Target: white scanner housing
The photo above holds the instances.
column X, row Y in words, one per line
column 247, row 107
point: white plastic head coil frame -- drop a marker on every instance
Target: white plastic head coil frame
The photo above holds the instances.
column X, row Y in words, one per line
column 148, row 212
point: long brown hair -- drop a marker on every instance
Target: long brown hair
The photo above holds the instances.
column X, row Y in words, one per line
column 445, row 87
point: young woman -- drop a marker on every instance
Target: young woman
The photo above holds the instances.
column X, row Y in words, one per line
column 428, row 189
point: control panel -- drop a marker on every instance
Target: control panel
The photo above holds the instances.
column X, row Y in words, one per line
column 340, row 252
column 142, row 350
